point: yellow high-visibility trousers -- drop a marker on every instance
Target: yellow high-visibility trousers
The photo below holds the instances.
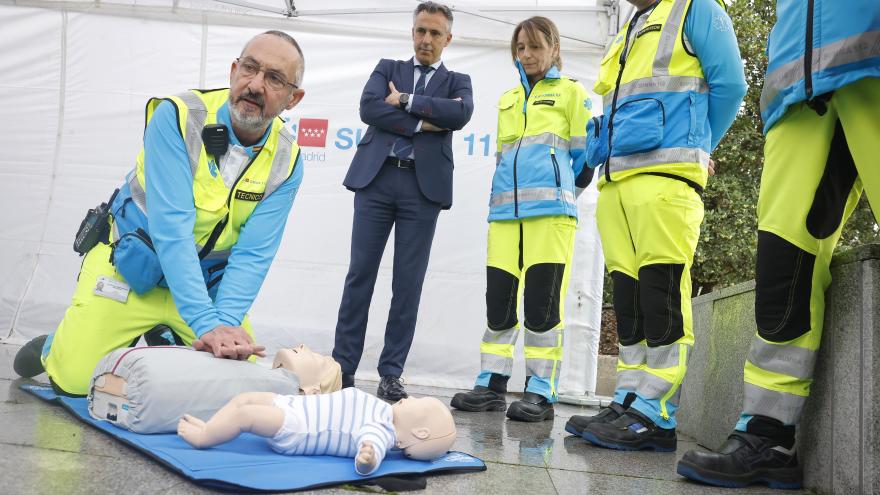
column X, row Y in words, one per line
column 93, row 325
column 536, row 251
column 815, row 169
column 649, row 227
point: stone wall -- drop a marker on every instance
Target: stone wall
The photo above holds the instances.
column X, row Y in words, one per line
column 837, row 438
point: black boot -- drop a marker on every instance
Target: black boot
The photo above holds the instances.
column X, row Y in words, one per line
column 479, row 399
column 532, row 407
column 482, row 398
column 742, row 460
column 631, row 431
column 391, row 389
column 27, row 361
column 577, row 424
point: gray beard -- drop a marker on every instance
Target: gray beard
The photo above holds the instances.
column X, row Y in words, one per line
column 256, row 123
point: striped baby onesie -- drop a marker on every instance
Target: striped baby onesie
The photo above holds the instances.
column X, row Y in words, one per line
column 333, row 424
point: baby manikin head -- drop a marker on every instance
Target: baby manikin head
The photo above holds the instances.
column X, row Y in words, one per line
column 317, row 374
column 424, row 428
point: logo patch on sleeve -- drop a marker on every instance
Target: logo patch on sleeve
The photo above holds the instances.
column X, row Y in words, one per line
column 248, row 196
column 648, row 29
column 545, row 102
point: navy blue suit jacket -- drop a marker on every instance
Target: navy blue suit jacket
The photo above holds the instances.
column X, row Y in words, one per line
column 432, row 150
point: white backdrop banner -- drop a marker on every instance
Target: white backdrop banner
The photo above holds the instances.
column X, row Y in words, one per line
column 73, row 85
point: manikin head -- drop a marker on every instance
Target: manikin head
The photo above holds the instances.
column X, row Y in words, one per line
column 424, row 428
column 317, row 374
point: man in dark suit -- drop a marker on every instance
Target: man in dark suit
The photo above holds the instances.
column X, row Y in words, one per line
column 402, row 177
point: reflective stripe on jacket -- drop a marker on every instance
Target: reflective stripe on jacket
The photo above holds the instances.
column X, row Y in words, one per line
column 839, row 42
column 541, row 141
column 214, row 201
column 657, row 93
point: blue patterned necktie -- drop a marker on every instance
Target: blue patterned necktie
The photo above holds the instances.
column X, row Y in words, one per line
column 403, row 146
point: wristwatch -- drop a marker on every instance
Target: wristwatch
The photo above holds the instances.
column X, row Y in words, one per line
column 404, row 100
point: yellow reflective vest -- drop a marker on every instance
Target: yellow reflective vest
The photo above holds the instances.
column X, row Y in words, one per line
column 658, row 97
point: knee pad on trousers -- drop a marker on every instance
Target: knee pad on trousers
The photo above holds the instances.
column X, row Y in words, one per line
column 630, row 326
column 541, row 300
column 660, row 295
column 501, row 292
column 831, row 196
column 783, row 282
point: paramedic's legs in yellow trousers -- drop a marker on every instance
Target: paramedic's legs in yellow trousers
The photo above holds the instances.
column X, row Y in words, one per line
column 815, row 170
column 95, row 325
column 538, row 251
column 649, row 227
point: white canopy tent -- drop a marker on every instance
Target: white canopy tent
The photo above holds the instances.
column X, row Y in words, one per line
column 74, row 78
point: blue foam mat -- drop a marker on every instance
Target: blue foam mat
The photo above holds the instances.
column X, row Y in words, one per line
column 248, row 463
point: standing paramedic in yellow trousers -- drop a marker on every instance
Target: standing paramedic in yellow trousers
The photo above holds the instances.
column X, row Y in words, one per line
column 532, row 221
column 195, row 226
column 671, row 82
column 822, row 148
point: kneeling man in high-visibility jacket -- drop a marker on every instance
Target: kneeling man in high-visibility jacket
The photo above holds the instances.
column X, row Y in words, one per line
column 190, row 234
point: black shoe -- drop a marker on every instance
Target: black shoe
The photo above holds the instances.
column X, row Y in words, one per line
column 347, row 380
column 532, row 407
column 27, row 361
column 742, row 460
column 479, row 399
column 391, row 389
column 577, row 424
column 631, row 431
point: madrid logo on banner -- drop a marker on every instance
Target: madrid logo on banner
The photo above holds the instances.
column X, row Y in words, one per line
column 312, row 132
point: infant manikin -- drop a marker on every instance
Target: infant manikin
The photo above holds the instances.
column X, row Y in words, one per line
column 147, row 389
column 348, row 423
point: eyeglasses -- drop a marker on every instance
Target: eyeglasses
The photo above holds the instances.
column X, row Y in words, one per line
column 250, row 68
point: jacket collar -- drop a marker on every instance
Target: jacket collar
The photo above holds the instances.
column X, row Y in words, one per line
column 553, row 73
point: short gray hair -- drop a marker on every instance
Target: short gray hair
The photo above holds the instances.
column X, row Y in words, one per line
column 433, row 8
column 288, row 38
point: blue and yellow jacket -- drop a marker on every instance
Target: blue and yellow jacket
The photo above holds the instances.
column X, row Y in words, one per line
column 673, row 81
column 176, row 200
column 541, row 148
column 838, row 41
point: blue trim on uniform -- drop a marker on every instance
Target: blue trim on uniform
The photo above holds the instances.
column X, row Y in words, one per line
column 787, row 40
column 541, row 386
column 483, row 378
column 710, row 32
column 620, row 396
column 47, row 346
column 171, row 219
column 743, row 423
column 651, row 409
column 257, row 244
column 538, row 172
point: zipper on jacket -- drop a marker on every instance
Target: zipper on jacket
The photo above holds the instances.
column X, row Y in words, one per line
column 622, row 62
column 818, row 104
column 555, row 167
column 516, row 154
column 225, row 219
column 240, row 175
column 808, row 52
